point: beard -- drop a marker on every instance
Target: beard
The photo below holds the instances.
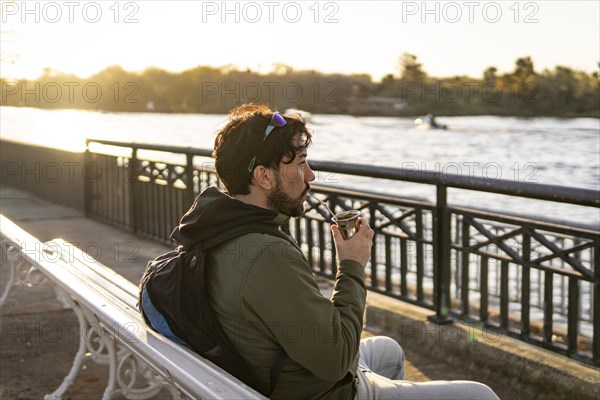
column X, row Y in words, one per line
column 279, row 201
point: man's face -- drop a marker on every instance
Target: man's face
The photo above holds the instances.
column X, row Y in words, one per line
column 291, row 185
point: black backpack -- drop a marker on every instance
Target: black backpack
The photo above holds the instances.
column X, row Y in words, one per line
column 175, row 283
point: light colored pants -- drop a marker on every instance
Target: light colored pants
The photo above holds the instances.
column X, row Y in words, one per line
column 381, row 373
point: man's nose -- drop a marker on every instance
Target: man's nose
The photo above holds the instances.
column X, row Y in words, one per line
column 309, row 175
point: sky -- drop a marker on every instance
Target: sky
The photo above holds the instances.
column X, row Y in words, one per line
column 448, row 37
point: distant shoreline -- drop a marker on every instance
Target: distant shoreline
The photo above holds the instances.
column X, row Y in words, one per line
column 409, row 92
column 588, row 114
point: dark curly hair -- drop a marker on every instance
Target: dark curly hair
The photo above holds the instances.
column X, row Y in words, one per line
column 242, row 138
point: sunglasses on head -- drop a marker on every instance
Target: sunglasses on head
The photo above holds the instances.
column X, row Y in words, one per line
column 276, row 121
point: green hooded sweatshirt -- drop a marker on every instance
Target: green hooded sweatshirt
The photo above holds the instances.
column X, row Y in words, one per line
column 266, row 298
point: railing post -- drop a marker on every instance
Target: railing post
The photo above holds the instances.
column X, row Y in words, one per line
column 420, row 253
column 133, row 185
column 465, row 266
column 526, row 286
column 87, row 189
column 596, row 308
column 373, row 223
column 441, row 259
column 189, row 181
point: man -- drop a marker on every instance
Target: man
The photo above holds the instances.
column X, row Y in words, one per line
column 262, row 289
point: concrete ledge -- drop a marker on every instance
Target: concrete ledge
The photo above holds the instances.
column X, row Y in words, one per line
column 508, row 359
column 52, row 174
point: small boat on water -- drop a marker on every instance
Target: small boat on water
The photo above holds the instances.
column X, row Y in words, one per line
column 429, row 122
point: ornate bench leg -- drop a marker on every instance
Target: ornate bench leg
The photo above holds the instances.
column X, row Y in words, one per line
column 20, row 273
column 79, row 357
column 137, row 381
column 112, row 372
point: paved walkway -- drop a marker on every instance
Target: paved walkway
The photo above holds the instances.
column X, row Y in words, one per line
column 39, row 338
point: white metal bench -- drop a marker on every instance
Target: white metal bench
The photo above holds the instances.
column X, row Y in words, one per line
column 141, row 362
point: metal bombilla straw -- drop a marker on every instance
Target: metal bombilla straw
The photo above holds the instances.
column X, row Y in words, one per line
column 321, row 203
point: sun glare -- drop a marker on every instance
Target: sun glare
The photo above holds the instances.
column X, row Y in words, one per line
column 64, row 129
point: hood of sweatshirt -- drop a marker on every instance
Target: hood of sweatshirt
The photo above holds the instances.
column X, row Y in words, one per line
column 215, row 215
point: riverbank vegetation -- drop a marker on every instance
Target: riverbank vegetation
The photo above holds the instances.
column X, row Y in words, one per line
column 410, row 91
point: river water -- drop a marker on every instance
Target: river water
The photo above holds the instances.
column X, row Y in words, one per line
column 538, row 150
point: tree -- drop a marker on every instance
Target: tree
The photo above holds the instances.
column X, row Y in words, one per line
column 410, row 69
column 489, row 75
column 523, row 69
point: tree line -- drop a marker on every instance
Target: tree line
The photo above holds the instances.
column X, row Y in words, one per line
column 561, row 92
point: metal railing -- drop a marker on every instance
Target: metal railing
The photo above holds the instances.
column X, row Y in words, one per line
column 534, row 280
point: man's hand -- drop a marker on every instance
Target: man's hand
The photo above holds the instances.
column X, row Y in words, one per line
column 358, row 247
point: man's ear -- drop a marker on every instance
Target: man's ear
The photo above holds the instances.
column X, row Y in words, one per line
column 264, row 177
